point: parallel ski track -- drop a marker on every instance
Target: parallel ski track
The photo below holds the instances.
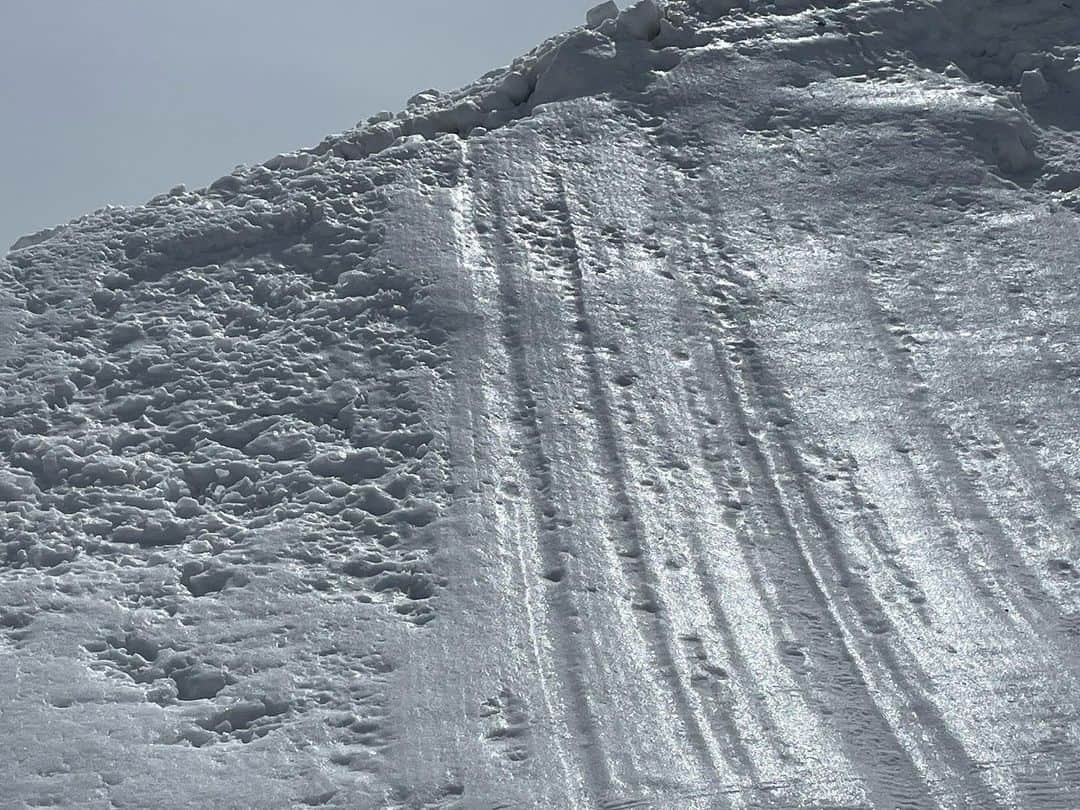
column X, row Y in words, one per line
column 961, row 498
column 567, row 649
column 811, row 556
column 636, row 559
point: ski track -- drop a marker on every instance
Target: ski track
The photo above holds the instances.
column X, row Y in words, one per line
column 492, row 470
column 805, row 516
column 538, row 474
column 967, row 503
column 641, row 562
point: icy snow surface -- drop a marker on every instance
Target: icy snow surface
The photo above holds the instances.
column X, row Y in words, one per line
column 684, row 416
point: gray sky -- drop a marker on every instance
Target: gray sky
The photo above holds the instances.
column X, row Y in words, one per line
column 113, row 101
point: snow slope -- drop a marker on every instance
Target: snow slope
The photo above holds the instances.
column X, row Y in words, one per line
column 683, row 416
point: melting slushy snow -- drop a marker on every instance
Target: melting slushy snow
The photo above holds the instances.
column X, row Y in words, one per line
column 683, row 416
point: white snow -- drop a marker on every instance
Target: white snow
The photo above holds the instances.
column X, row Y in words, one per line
column 680, row 416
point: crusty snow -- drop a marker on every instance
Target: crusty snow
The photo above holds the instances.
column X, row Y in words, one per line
column 683, row 416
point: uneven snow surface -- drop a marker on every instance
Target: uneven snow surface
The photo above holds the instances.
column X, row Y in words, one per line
column 683, row 417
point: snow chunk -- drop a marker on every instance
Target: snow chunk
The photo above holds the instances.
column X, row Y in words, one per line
column 426, row 97
column 16, row 487
column 1013, row 149
column 296, row 161
column 580, row 65
column 641, row 20
column 280, row 446
column 596, row 15
column 354, row 283
column 187, row 507
column 198, row 683
column 353, row 466
column 515, row 86
column 1033, row 86
column 37, row 238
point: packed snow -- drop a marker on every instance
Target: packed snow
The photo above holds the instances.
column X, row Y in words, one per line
column 682, row 416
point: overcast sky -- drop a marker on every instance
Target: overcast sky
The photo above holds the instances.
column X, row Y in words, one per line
column 113, row 101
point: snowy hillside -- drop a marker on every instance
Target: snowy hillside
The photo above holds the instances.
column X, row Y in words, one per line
column 685, row 416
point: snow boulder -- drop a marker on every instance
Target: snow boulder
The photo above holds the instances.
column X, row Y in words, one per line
column 641, row 20
column 370, row 140
column 280, row 446
column 17, row 487
column 198, row 682
column 459, row 120
column 596, row 15
column 38, row 238
column 581, row 65
column 515, row 86
column 353, row 466
column 1012, row 143
column 355, row 283
column 1033, row 86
